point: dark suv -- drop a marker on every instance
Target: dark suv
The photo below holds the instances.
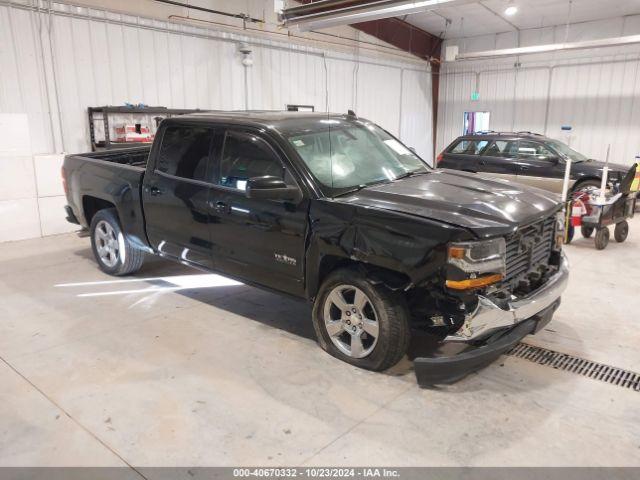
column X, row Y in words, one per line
column 527, row 158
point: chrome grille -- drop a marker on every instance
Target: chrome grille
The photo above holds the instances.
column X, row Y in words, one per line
column 528, row 249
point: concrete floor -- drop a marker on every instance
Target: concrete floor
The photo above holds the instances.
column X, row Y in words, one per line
column 139, row 372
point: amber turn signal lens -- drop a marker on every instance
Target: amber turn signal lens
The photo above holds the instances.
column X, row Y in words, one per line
column 473, row 282
column 456, row 252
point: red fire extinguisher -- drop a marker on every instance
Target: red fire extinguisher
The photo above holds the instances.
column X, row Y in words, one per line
column 578, row 209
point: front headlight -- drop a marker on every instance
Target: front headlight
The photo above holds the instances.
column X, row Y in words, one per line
column 483, row 263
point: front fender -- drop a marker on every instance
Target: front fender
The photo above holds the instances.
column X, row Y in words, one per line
column 406, row 244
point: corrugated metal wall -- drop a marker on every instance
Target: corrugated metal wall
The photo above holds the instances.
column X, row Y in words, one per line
column 80, row 57
column 53, row 66
column 597, row 92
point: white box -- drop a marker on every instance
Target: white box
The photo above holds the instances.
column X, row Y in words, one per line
column 450, row 53
column 14, row 134
column 17, row 178
column 53, row 217
column 19, row 219
column 127, row 133
column 48, row 174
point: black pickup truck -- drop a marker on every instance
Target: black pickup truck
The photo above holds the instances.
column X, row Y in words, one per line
column 335, row 210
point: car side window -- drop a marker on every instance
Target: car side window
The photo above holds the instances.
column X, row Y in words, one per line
column 245, row 155
column 469, row 147
column 528, row 149
column 184, row 152
column 502, row 148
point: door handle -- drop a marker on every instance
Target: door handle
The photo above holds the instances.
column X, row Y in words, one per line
column 221, row 207
column 155, row 191
column 482, row 162
column 524, row 167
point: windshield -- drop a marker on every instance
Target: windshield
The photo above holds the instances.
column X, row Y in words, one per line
column 567, row 151
column 348, row 154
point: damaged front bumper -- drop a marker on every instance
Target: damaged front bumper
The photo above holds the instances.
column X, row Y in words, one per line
column 491, row 330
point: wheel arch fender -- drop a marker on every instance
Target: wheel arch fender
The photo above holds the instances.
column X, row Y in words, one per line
column 394, row 249
column 582, row 180
column 92, row 204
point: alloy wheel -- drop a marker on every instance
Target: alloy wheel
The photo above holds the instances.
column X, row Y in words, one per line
column 351, row 321
column 107, row 245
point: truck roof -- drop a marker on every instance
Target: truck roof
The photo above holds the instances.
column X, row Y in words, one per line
column 285, row 122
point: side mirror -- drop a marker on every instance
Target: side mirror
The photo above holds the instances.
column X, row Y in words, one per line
column 270, row 188
column 554, row 160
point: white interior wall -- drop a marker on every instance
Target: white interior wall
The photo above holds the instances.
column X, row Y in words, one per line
column 597, row 92
column 58, row 64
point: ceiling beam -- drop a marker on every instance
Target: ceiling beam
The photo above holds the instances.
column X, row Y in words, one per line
column 554, row 47
column 332, row 13
column 394, row 31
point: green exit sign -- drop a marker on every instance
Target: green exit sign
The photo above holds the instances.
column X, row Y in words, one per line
column 475, row 96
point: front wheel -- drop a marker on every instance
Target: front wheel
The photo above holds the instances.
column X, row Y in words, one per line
column 361, row 323
column 621, row 231
column 115, row 254
column 602, row 238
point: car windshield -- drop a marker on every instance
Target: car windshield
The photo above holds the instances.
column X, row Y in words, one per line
column 344, row 155
column 567, row 151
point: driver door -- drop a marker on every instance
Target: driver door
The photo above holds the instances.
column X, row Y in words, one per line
column 539, row 166
column 260, row 240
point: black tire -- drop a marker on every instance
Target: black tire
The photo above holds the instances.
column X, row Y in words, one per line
column 584, row 184
column 133, row 257
column 579, row 186
column 602, row 238
column 586, row 231
column 621, row 231
column 392, row 318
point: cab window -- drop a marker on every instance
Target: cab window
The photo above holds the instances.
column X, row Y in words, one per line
column 245, row 155
column 469, row 147
column 184, row 152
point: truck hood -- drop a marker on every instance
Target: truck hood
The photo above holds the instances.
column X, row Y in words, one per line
column 486, row 207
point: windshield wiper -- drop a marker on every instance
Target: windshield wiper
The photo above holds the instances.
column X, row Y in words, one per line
column 360, row 187
column 411, row 173
column 382, row 181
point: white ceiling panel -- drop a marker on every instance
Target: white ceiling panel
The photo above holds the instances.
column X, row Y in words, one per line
column 487, row 17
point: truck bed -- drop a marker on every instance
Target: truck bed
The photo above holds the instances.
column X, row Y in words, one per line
column 133, row 157
column 111, row 178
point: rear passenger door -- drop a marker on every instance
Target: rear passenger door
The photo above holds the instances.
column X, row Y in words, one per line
column 499, row 158
column 176, row 193
column 539, row 166
column 464, row 155
column 257, row 239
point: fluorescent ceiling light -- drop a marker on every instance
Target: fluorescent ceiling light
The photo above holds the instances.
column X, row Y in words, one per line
column 511, row 10
column 373, row 10
column 554, row 47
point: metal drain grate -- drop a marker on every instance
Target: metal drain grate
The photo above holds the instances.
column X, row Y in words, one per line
column 580, row 366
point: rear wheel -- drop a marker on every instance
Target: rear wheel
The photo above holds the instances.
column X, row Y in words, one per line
column 113, row 251
column 584, row 186
column 602, row 238
column 621, row 231
column 361, row 323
